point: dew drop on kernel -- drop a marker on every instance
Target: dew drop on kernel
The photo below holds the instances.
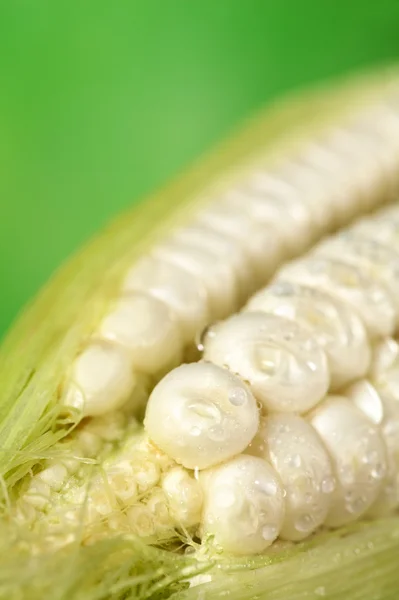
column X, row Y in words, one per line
column 304, row 523
column 377, row 471
column 328, row 485
column 237, row 397
column 269, row 532
column 347, row 475
column 294, row 461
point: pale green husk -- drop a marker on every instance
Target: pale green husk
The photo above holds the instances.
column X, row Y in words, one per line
column 358, row 564
column 39, row 351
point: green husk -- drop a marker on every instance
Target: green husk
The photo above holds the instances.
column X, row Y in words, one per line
column 38, row 352
column 359, row 563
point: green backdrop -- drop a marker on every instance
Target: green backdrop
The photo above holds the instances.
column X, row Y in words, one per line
column 102, row 101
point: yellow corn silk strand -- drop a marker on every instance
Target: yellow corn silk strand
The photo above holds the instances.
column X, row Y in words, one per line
column 94, row 506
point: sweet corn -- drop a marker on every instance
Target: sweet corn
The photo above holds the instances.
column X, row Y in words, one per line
column 262, row 429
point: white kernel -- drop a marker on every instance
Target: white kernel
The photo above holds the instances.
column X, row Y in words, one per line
column 345, row 198
column 358, row 454
column 196, row 396
column 373, row 258
column 180, row 290
column 385, row 356
column 240, row 514
column 362, row 166
column 89, row 442
column 101, row 379
column 286, row 369
column 334, row 324
column 371, row 300
column 382, row 127
column 223, row 247
column 54, row 476
column 312, row 188
column 387, row 385
column 71, row 464
column 184, row 496
column 122, row 482
column 101, row 500
column 146, row 474
column 141, row 521
column 262, row 245
column 273, row 185
column 146, row 327
column 303, row 465
column 25, row 513
column 216, row 275
column 157, row 505
column 278, row 209
column 381, row 227
column 364, row 395
column 38, row 494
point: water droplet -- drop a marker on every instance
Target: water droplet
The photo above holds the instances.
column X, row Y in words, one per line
column 347, row 474
column 189, row 551
column 308, row 498
column 201, row 337
column 238, row 396
column 353, row 504
column 304, row 523
column 371, row 457
column 378, row 471
column 312, row 365
column 195, row 431
column 320, row 591
column 328, row 485
column 269, row 532
column 267, row 365
column 282, row 288
column 283, row 428
column 294, row 461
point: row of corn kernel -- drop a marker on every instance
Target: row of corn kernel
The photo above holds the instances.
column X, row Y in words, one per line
column 337, row 462
column 206, row 270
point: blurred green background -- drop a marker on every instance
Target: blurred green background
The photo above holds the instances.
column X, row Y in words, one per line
column 100, row 102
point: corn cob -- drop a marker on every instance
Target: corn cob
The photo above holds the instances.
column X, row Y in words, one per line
column 286, row 423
